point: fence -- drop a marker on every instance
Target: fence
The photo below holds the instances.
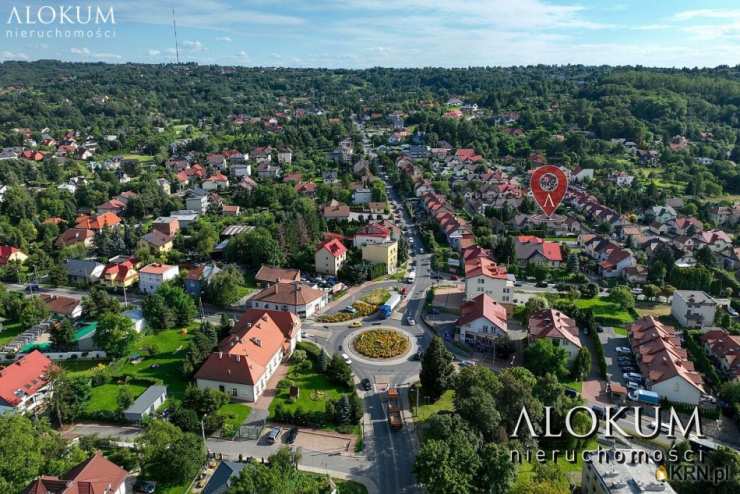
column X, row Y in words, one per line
column 59, row 356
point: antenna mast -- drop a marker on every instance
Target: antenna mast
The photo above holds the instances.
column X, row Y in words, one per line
column 174, row 29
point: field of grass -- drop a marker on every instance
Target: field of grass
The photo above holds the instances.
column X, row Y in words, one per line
column 165, row 363
column 656, row 310
column 606, row 310
column 526, row 469
column 9, row 332
column 105, row 398
column 142, row 158
column 314, row 391
column 444, row 404
column 79, row 368
column 377, row 297
column 234, row 414
column 577, row 385
column 621, row 331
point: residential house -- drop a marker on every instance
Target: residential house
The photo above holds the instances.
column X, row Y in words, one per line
column 98, row 222
column 362, row 195
column 482, row 275
column 266, row 169
column 146, row 404
column 534, row 250
column 223, row 477
column 664, row 363
column 197, row 200
column 604, row 473
column 97, row 475
column 724, row 350
column 481, row 321
column 293, row 297
column 725, row 215
column 269, row 275
column 84, row 271
column 120, row 273
column 216, row 181
column 241, row 170
column 582, row 174
column 167, row 225
column 693, row 308
column 558, row 328
column 616, row 262
column 372, row 233
column 10, row 254
column 199, row 277
column 115, row 206
column 285, row 156
column 382, row 253
column 73, row 236
column 157, row 241
column 62, row 306
column 330, row 256
column 335, row 210
column 24, row 384
column 245, row 360
column 152, row 276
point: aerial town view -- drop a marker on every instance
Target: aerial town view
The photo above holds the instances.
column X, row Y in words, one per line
column 370, row 247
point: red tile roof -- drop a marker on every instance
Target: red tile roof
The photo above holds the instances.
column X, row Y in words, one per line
column 156, row 268
column 483, row 306
column 98, row 475
column 334, row 246
column 274, row 274
column 551, row 323
column 24, row 377
column 5, row 252
column 98, row 222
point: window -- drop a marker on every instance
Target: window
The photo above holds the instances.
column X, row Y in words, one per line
column 233, row 391
column 222, row 389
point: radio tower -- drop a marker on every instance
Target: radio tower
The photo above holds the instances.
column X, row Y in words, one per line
column 174, row 30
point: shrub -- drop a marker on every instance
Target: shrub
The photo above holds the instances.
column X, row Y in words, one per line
column 381, row 343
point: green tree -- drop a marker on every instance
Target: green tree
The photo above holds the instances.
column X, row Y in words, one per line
column 436, row 369
column 572, row 263
column 581, row 366
column 622, row 296
column 339, row 372
column 255, row 248
column 497, row 473
column 447, row 467
column 97, row 302
column 542, row 356
column 225, row 287
column 125, row 398
column 114, row 334
column 533, row 305
column 62, row 335
column 69, row 398
column 163, row 443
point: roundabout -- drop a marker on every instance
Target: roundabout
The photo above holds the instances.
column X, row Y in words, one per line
column 381, row 343
column 380, row 346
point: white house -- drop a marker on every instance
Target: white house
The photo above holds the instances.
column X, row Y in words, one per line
column 664, row 363
column 693, row 308
column 556, row 326
column 481, row 321
column 483, row 276
column 294, row 297
column 24, row 384
column 154, row 275
column 247, row 359
column 362, row 195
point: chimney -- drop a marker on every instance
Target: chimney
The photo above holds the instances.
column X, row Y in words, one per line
column 220, row 355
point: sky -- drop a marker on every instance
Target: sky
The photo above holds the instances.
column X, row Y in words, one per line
column 369, row 33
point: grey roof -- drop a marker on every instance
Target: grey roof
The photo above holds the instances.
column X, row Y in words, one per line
column 223, row 477
column 146, row 399
column 232, row 230
column 82, row 267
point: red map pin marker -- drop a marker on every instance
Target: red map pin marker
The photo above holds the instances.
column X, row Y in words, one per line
column 548, row 184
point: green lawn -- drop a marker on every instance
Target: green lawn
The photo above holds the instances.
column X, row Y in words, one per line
column 605, row 310
column 105, row 398
column 577, row 385
column 377, row 297
column 164, row 364
column 9, row 332
column 314, row 390
column 445, row 403
column 139, row 157
column 526, row 469
column 78, row 368
column 234, row 414
column 621, row 331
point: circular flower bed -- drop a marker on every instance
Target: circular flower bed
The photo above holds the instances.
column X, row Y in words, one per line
column 381, row 343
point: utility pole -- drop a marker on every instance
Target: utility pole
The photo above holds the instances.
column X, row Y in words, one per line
column 203, row 430
column 125, row 300
column 174, row 30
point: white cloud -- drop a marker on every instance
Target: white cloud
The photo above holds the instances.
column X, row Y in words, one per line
column 193, row 46
column 107, row 56
column 153, row 53
column 80, row 51
column 9, row 55
column 687, row 15
column 224, row 38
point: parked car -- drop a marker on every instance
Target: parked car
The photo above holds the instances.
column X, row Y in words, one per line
column 145, row 486
column 632, row 386
column 273, row 435
column 599, row 411
column 467, row 363
column 632, row 376
column 366, row 384
column 410, row 321
column 355, row 324
column 570, row 392
column 346, row 358
column 291, row 435
column 349, row 309
column 623, row 350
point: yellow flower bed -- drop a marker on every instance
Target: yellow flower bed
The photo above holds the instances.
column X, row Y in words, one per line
column 381, row 343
